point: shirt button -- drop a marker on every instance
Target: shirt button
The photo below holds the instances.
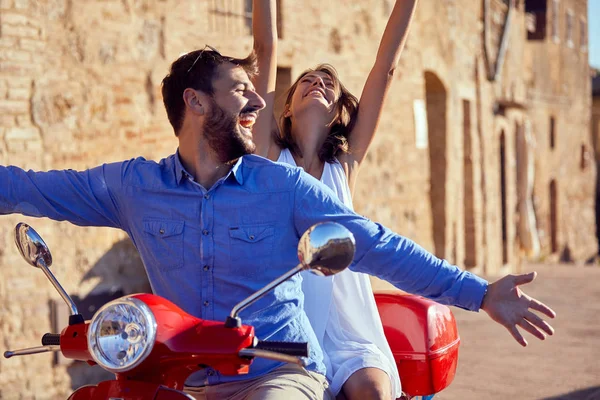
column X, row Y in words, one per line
column 207, row 196
column 210, row 372
column 206, row 267
column 251, row 237
column 161, row 231
column 205, row 232
column 206, row 303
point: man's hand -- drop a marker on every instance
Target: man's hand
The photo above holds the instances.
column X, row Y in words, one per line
column 506, row 304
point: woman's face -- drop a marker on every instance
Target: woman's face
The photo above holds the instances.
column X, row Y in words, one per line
column 316, row 93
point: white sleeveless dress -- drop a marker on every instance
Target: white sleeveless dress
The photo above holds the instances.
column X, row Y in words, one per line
column 342, row 308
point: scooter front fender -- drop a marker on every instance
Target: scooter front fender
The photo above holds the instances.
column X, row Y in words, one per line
column 84, row 392
column 127, row 390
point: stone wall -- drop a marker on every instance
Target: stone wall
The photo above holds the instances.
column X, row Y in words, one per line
column 568, row 162
column 80, row 85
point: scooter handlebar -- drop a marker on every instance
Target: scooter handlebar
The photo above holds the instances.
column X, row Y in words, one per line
column 270, row 355
column 51, row 339
column 288, row 348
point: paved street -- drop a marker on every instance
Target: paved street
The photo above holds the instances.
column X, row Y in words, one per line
column 565, row 366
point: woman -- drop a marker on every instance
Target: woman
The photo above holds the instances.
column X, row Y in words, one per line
column 327, row 131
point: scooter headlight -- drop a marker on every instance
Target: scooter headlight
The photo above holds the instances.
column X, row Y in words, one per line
column 122, row 334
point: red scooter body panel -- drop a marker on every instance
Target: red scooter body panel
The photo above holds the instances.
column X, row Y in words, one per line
column 184, row 344
column 424, row 340
column 74, row 344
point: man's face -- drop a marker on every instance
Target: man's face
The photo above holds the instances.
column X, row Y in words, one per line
column 233, row 109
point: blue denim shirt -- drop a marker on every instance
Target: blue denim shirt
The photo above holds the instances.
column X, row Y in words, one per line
column 205, row 250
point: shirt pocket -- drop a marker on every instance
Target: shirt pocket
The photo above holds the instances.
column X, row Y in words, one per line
column 251, row 249
column 166, row 242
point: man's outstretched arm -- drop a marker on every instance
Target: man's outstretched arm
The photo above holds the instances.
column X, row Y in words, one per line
column 409, row 267
column 82, row 198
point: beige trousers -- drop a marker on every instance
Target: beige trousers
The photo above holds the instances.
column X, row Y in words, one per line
column 289, row 382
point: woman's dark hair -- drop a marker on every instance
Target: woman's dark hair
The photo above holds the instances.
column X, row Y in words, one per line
column 343, row 122
column 197, row 70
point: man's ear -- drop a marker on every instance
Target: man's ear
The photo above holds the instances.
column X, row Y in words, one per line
column 194, row 100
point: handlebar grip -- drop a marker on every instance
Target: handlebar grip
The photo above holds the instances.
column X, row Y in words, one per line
column 51, row 339
column 289, row 348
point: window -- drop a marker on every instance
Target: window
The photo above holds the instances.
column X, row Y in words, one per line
column 230, row 17
column 553, row 216
column 283, row 83
column 280, row 19
column 535, row 18
column 552, row 132
column 387, row 8
column 585, row 157
column 469, row 203
column 555, row 36
column 248, row 17
column 583, row 35
column 569, row 29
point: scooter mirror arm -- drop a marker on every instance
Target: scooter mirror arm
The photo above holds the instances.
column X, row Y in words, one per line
column 31, row 350
column 233, row 321
column 271, row 355
column 72, row 307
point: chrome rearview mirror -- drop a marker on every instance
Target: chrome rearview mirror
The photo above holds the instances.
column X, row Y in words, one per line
column 32, row 246
column 325, row 249
column 34, row 250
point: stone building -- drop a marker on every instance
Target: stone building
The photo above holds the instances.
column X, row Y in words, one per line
column 482, row 155
column 557, row 73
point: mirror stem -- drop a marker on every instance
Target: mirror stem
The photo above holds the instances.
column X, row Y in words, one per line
column 72, row 307
column 254, row 297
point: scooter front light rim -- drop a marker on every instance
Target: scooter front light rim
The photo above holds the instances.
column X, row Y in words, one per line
column 148, row 328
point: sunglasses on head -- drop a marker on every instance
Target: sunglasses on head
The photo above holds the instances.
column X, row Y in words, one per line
column 207, row 50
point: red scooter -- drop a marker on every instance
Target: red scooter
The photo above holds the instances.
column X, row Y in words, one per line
column 152, row 346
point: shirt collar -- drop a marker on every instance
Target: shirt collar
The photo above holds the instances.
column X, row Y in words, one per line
column 237, row 171
column 181, row 173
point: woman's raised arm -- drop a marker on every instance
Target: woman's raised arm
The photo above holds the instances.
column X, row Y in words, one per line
column 264, row 31
column 377, row 85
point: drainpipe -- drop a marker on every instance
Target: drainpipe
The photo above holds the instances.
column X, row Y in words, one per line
column 494, row 72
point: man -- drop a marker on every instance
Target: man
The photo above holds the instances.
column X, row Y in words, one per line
column 214, row 224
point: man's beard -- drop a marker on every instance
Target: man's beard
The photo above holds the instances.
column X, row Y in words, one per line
column 222, row 132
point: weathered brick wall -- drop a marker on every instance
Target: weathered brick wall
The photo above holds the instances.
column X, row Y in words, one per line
column 561, row 90
column 80, row 85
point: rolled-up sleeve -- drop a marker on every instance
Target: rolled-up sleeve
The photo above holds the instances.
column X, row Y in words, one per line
column 87, row 198
column 387, row 255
